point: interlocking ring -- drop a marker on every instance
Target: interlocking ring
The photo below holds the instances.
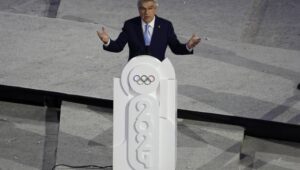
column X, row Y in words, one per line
column 147, row 80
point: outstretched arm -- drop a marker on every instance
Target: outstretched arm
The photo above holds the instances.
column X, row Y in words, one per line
column 112, row 45
column 179, row 48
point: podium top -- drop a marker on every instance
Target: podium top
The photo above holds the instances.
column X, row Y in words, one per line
column 168, row 71
column 148, row 70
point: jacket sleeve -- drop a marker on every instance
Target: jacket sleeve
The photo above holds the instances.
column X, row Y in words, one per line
column 118, row 44
column 174, row 44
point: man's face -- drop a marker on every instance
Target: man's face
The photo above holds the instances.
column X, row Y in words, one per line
column 147, row 11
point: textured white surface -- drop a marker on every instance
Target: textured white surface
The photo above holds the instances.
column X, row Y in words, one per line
column 224, row 76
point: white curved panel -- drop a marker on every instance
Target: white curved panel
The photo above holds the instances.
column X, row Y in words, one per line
column 145, row 114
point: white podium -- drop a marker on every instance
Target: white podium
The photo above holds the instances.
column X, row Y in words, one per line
column 145, row 116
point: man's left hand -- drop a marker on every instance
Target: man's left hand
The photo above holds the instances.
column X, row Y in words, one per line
column 194, row 40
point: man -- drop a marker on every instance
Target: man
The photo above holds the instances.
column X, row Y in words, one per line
column 147, row 34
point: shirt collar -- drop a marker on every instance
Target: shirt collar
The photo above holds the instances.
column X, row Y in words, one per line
column 151, row 23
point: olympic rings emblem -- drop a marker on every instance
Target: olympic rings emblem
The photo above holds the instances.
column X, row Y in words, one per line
column 146, row 80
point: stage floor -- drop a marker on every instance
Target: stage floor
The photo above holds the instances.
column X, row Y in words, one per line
column 222, row 77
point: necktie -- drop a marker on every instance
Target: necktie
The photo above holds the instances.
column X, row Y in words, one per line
column 147, row 35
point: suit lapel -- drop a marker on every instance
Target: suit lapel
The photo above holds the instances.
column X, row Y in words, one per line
column 156, row 32
column 139, row 31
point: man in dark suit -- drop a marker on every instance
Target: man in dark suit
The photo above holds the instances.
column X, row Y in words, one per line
column 148, row 34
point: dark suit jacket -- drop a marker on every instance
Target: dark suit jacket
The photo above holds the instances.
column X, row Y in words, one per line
column 163, row 36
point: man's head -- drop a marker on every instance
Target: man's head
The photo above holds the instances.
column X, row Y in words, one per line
column 147, row 9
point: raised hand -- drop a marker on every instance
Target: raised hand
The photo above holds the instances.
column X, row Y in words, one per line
column 194, row 40
column 103, row 35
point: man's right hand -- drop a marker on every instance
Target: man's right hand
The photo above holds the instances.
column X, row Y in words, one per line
column 104, row 37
